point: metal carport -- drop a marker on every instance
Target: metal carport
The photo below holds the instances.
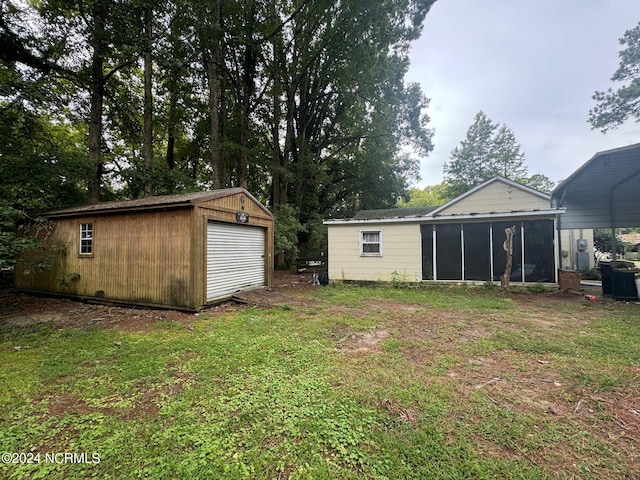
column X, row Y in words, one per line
column 603, row 193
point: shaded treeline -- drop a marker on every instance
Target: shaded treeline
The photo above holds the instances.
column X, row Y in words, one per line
column 302, row 102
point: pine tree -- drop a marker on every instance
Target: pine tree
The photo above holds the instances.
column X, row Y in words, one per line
column 615, row 107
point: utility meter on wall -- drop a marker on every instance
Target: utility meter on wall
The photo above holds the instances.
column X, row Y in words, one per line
column 582, row 245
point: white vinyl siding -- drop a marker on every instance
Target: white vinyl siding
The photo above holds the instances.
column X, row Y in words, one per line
column 235, row 258
column 400, row 247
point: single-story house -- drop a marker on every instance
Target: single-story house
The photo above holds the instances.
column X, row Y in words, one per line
column 462, row 240
column 179, row 251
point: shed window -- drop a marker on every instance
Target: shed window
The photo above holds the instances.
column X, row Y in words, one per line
column 86, row 239
column 371, row 243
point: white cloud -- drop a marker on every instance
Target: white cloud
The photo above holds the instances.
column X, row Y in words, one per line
column 530, row 65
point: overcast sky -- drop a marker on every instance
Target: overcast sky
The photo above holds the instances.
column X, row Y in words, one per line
column 530, row 64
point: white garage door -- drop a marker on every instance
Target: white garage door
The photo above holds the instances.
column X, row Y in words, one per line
column 235, row 258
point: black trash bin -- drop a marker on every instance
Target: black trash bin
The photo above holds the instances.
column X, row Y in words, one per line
column 623, row 281
column 605, row 276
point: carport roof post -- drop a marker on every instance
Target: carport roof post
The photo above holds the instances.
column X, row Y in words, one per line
column 602, row 193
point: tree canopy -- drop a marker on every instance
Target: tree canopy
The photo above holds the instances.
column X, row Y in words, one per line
column 429, row 196
column 303, row 103
column 487, row 150
column 617, row 106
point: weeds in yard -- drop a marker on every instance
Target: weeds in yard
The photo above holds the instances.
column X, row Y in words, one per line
column 354, row 382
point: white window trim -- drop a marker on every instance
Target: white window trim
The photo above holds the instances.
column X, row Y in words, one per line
column 80, row 252
column 362, row 242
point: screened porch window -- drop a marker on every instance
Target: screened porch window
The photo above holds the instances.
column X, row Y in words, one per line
column 475, row 251
column 86, row 239
column 371, row 243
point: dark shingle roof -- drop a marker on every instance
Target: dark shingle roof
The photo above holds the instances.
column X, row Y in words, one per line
column 171, row 201
column 393, row 213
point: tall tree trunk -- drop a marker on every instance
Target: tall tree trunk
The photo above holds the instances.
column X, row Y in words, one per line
column 99, row 45
column 247, row 89
column 171, row 137
column 211, row 57
column 148, row 100
column 279, row 177
column 172, row 84
column 302, row 180
column 214, row 88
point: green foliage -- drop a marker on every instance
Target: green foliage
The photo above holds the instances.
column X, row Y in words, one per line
column 536, row 288
column 318, row 237
column 64, row 280
column 399, row 279
column 286, row 230
column 602, row 241
column 303, row 104
column 430, row 196
column 615, row 107
column 488, row 150
column 538, row 182
column 42, row 168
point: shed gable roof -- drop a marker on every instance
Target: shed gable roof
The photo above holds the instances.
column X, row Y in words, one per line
column 148, row 203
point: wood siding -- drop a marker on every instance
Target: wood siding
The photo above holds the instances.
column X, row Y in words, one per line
column 154, row 256
column 401, row 253
column 496, row 197
column 140, row 257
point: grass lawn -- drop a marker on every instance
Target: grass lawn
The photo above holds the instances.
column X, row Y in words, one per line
column 335, row 382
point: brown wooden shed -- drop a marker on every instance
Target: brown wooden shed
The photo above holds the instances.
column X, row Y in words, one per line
column 182, row 251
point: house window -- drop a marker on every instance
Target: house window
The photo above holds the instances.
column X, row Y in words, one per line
column 371, row 243
column 86, row 239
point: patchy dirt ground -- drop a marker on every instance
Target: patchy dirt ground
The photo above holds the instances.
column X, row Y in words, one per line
column 517, row 381
column 20, row 309
column 288, row 289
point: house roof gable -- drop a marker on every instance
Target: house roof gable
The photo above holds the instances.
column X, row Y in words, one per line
column 541, row 207
column 497, row 179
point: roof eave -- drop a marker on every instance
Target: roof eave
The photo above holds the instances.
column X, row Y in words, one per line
column 125, row 207
column 102, row 211
column 442, row 218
